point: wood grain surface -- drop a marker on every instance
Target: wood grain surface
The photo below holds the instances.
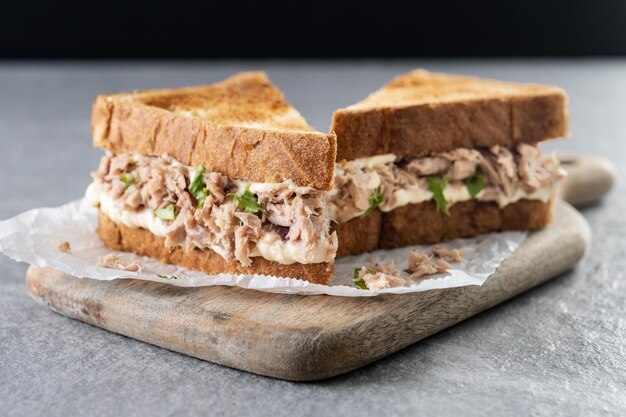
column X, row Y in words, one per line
column 302, row 337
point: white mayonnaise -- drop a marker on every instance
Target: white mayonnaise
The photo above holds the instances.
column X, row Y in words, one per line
column 456, row 193
column 133, row 219
column 405, row 197
column 503, row 200
column 372, row 161
column 286, row 252
column 266, row 187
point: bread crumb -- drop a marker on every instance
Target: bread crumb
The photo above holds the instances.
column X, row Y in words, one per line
column 64, row 246
column 115, row 261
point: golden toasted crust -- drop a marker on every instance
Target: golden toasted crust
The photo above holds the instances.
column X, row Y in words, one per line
column 358, row 235
column 421, row 112
column 242, row 127
column 423, row 224
column 140, row 241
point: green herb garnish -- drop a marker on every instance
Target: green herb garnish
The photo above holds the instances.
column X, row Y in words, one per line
column 475, row 183
column 248, row 201
column 128, row 180
column 201, row 197
column 197, row 187
column 436, row 186
column 166, row 213
column 166, row 277
column 360, row 282
column 376, row 200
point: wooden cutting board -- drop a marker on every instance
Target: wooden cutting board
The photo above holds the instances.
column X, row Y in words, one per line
column 298, row 337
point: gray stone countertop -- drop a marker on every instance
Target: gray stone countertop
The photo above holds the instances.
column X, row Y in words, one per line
column 557, row 350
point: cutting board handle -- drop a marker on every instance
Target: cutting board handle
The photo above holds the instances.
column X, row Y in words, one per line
column 588, row 179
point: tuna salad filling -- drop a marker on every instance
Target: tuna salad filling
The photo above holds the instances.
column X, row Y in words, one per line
column 496, row 174
column 194, row 208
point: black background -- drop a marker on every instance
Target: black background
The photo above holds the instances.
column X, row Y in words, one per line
column 311, row 29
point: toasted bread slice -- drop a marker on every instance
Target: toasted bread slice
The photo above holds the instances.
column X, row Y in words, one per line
column 140, row 241
column 359, row 235
column 242, row 127
column 422, row 112
column 422, row 223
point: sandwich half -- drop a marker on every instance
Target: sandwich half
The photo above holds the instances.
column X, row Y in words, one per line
column 431, row 157
column 219, row 178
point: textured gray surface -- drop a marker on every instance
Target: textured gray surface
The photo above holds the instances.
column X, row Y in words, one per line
column 557, row 350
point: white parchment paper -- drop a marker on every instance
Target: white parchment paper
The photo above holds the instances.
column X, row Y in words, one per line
column 33, row 237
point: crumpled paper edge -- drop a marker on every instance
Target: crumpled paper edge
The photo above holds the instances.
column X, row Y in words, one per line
column 33, row 236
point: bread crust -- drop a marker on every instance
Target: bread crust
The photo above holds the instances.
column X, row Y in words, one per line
column 359, row 235
column 140, row 241
column 420, row 113
column 224, row 138
column 423, row 224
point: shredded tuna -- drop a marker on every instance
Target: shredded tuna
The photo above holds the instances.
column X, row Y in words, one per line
column 119, row 164
column 429, row 166
column 389, row 269
column 506, row 172
column 353, row 189
column 245, row 235
column 380, row 276
column 505, row 161
column 302, row 227
column 280, row 214
column 216, row 183
column 222, row 225
column 442, row 265
column 178, row 228
column 464, row 163
column 139, row 182
column 361, row 187
column 118, row 188
column 506, row 169
column 537, row 170
column 487, row 165
column 452, row 255
column 380, row 280
column 115, row 261
column 134, row 199
column 64, row 246
column 421, row 265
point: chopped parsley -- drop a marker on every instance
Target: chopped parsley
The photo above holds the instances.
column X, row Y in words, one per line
column 436, row 186
column 166, row 213
column 248, row 201
column 197, row 187
column 358, row 281
column 166, row 277
column 475, row 183
column 127, row 179
column 376, row 200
